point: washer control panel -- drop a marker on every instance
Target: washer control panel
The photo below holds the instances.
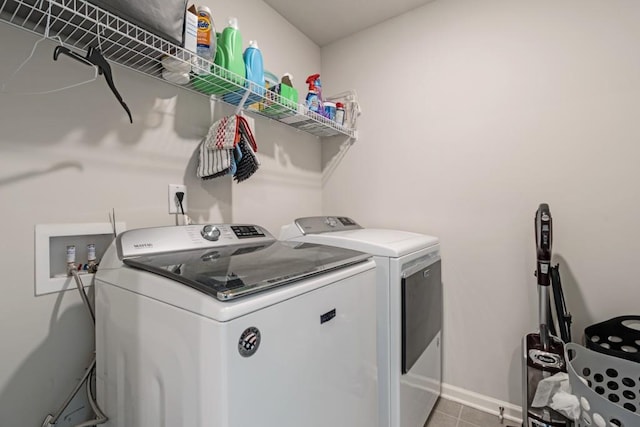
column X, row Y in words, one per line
column 247, row 231
column 146, row 241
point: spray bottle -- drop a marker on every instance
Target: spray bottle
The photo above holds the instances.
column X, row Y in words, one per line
column 314, row 97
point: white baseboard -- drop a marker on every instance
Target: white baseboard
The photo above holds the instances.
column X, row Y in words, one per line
column 482, row 403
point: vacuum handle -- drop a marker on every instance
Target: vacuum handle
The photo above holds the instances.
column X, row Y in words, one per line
column 544, row 238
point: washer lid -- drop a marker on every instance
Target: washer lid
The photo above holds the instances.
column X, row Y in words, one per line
column 379, row 242
column 229, row 272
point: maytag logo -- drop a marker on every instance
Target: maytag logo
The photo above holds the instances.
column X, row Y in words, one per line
column 143, row 245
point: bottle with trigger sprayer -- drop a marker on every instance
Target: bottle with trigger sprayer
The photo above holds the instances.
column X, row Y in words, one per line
column 314, row 97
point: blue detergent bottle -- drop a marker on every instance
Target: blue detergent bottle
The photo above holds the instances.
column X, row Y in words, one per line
column 254, row 67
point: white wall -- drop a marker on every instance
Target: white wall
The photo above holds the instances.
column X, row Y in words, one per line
column 476, row 112
column 71, row 157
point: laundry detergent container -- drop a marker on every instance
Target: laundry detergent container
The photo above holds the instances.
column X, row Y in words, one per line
column 254, row 82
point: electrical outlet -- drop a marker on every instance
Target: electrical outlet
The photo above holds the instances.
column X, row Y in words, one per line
column 174, row 205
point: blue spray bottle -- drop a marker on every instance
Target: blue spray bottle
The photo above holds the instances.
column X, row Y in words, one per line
column 314, row 97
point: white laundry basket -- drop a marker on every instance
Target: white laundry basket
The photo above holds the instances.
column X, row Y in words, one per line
column 608, row 388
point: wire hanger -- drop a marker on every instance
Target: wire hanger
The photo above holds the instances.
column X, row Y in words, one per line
column 44, row 37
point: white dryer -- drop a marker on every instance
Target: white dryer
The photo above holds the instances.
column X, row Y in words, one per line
column 409, row 301
column 224, row 326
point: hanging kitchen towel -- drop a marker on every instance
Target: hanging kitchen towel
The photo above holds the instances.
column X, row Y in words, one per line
column 223, row 134
column 233, row 168
column 213, row 163
column 248, row 164
column 229, row 148
column 245, row 129
column 236, row 156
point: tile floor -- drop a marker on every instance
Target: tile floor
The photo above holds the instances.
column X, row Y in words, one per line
column 451, row 414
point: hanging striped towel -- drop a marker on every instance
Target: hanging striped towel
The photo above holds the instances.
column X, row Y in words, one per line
column 229, row 148
column 213, row 163
column 223, row 134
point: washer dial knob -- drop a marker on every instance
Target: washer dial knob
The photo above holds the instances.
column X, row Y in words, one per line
column 210, row 232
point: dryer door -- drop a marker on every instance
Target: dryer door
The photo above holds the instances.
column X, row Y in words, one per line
column 421, row 310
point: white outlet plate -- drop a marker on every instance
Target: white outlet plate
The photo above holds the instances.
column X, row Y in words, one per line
column 173, row 200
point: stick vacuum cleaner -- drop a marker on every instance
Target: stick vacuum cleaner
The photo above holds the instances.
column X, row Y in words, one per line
column 543, row 354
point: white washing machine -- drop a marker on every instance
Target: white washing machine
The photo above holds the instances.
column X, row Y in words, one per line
column 224, row 326
column 409, row 322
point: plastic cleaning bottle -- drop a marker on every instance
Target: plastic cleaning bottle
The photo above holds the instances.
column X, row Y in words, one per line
column 314, row 97
column 229, row 52
column 254, row 65
column 330, row 110
column 340, row 113
column 206, row 44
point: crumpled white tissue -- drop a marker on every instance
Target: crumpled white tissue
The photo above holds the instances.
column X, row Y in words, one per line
column 567, row 404
column 555, row 392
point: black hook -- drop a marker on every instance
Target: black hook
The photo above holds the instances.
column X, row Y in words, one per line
column 95, row 58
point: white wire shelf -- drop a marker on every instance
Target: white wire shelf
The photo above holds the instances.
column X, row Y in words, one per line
column 80, row 25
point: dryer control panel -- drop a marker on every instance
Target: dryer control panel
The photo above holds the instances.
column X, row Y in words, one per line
column 325, row 224
column 147, row 241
